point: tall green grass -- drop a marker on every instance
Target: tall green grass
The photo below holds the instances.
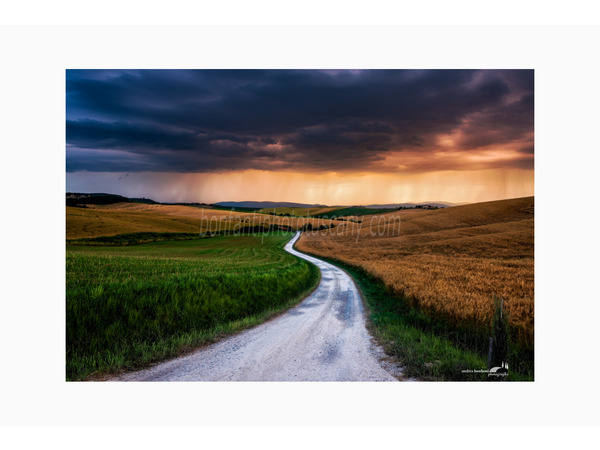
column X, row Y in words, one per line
column 129, row 306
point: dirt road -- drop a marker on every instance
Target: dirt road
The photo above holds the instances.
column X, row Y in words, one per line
column 322, row 339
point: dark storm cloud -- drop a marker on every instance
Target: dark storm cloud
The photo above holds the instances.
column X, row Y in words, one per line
column 213, row 120
column 509, row 123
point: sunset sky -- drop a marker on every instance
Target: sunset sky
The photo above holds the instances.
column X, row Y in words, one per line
column 337, row 137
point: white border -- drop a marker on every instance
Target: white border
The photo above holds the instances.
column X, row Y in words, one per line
column 32, row 309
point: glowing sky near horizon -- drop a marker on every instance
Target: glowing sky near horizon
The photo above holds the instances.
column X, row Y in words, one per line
column 330, row 137
column 325, row 188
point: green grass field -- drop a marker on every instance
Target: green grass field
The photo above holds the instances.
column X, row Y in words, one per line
column 129, row 306
column 294, row 211
column 352, row 211
column 323, row 212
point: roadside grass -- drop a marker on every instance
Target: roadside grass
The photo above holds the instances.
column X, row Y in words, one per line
column 427, row 348
column 129, row 306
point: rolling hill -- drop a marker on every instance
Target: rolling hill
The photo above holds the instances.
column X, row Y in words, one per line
column 449, row 262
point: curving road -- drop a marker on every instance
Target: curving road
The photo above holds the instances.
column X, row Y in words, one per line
column 322, row 339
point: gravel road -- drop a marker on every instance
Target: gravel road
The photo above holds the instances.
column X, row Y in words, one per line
column 322, row 339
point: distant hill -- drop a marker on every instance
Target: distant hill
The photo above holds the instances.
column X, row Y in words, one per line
column 261, row 205
column 143, row 200
column 101, row 198
column 81, row 199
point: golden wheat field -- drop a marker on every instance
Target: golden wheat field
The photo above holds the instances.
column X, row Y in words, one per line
column 450, row 262
column 120, row 218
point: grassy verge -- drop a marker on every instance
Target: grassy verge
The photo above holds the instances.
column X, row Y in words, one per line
column 428, row 348
column 133, row 305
